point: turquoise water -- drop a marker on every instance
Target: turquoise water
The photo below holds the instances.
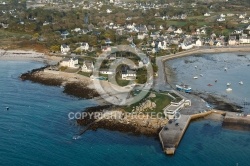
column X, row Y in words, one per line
column 36, row 131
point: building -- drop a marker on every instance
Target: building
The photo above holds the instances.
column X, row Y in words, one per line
column 84, row 46
column 244, row 39
column 70, row 62
column 232, row 41
column 207, row 14
column 106, row 71
column 128, row 74
column 198, row 43
column 65, row 49
column 87, row 66
column 175, row 106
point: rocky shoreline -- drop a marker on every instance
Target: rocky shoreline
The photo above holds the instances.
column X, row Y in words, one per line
column 219, row 103
column 127, row 123
column 72, row 85
column 116, row 119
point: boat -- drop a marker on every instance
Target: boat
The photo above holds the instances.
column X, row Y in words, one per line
column 229, row 89
column 184, row 88
column 228, row 84
column 241, row 82
column 225, row 68
column 195, row 67
column 195, row 77
column 201, row 75
column 209, row 85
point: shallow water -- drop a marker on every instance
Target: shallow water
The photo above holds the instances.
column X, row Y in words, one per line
column 36, row 131
column 211, row 66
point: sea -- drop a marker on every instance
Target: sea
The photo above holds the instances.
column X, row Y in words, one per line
column 214, row 72
column 36, row 130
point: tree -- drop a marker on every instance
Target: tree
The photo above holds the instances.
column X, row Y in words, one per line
column 55, row 48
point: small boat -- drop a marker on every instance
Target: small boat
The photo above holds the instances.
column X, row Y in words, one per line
column 215, row 81
column 229, row 89
column 201, row 75
column 241, row 82
column 225, row 68
column 209, row 85
column 195, row 77
column 184, row 88
column 228, row 84
column 7, row 108
column 195, row 67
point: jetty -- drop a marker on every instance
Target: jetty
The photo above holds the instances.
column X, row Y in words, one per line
column 236, row 121
column 172, row 133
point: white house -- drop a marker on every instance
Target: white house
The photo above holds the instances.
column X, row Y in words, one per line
column 203, row 31
column 108, row 72
column 153, row 44
column 84, row 46
column 142, row 36
column 178, row 31
column 87, row 66
column 162, row 45
column 241, row 16
column 198, row 43
column 207, row 14
column 222, row 15
column 232, row 40
column 244, row 39
column 218, row 44
column 69, row 62
column 221, row 19
column 198, row 32
column 186, row 46
column 129, row 75
column 109, row 11
column 65, row 48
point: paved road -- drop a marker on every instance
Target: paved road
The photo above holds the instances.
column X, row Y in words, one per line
column 160, row 82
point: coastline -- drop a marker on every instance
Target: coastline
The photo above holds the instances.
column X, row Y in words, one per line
column 116, row 119
column 75, row 83
column 219, row 102
column 20, row 55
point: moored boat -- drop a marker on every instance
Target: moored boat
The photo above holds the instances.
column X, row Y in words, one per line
column 184, row 88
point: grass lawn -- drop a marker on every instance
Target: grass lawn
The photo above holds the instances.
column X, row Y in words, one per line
column 179, row 23
column 85, row 73
column 122, row 82
column 5, row 34
column 161, row 100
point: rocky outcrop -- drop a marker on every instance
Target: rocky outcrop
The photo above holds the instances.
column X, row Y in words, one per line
column 147, row 105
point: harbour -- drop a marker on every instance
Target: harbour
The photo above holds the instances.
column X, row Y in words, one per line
column 171, row 134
